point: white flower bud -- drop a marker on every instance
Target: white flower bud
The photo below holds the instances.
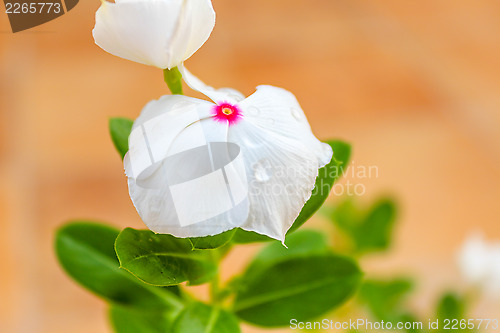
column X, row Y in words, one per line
column 161, row 33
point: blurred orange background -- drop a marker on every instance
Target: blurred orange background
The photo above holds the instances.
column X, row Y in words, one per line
column 413, row 85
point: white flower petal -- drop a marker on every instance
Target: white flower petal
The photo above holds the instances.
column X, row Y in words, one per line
column 282, row 158
column 228, row 95
column 472, row 260
column 479, row 263
column 137, row 30
column 184, row 179
column 492, row 284
column 232, row 94
column 202, row 19
column 281, row 172
column 277, row 111
column 271, row 108
column 161, row 33
column 196, row 22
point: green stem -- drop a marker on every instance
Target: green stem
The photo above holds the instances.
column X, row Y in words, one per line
column 173, row 79
column 214, row 283
column 219, row 294
column 214, row 290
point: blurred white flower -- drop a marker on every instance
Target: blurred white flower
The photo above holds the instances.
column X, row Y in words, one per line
column 161, row 33
column 479, row 263
column 197, row 168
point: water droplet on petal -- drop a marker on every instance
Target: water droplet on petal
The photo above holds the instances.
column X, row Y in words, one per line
column 253, row 111
column 297, row 114
column 262, row 171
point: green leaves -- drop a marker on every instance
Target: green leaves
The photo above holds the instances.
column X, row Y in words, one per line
column 369, row 230
column 302, row 243
column 451, row 313
column 302, row 283
column 385, row 298
column 126, row 320
column 244, row 237
column 162, row 260
column 451, row 306
column 119, row 129
column 202, row 318
column 173, row 79
column 212, row 242
column 301, row 288
column 86, row 252
column 327, row 176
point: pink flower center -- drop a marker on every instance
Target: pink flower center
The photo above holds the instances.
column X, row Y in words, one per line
column 225, row 112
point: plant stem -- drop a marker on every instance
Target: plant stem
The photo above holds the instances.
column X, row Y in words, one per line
column 214, row 289
column 214, row 283
column 219, row 294
column 173, row 79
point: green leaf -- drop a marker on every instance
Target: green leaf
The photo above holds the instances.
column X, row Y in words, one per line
column 301, row 287
column 300, row 244
column 369, row 230
column 119, row 129
column 377, row 227
column 244, row 237
column 324, row 184
column 202, row 318
column 451, row 306
column 162, row 260
column 126, row 320
column 347, row 216
column 385, row 299
column 212, row 242
column 173, row 79
column 86, row 252
column 327, row 176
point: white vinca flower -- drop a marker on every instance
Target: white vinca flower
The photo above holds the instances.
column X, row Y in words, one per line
column 479, row 263
column 197, row 168
column 161, row 33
